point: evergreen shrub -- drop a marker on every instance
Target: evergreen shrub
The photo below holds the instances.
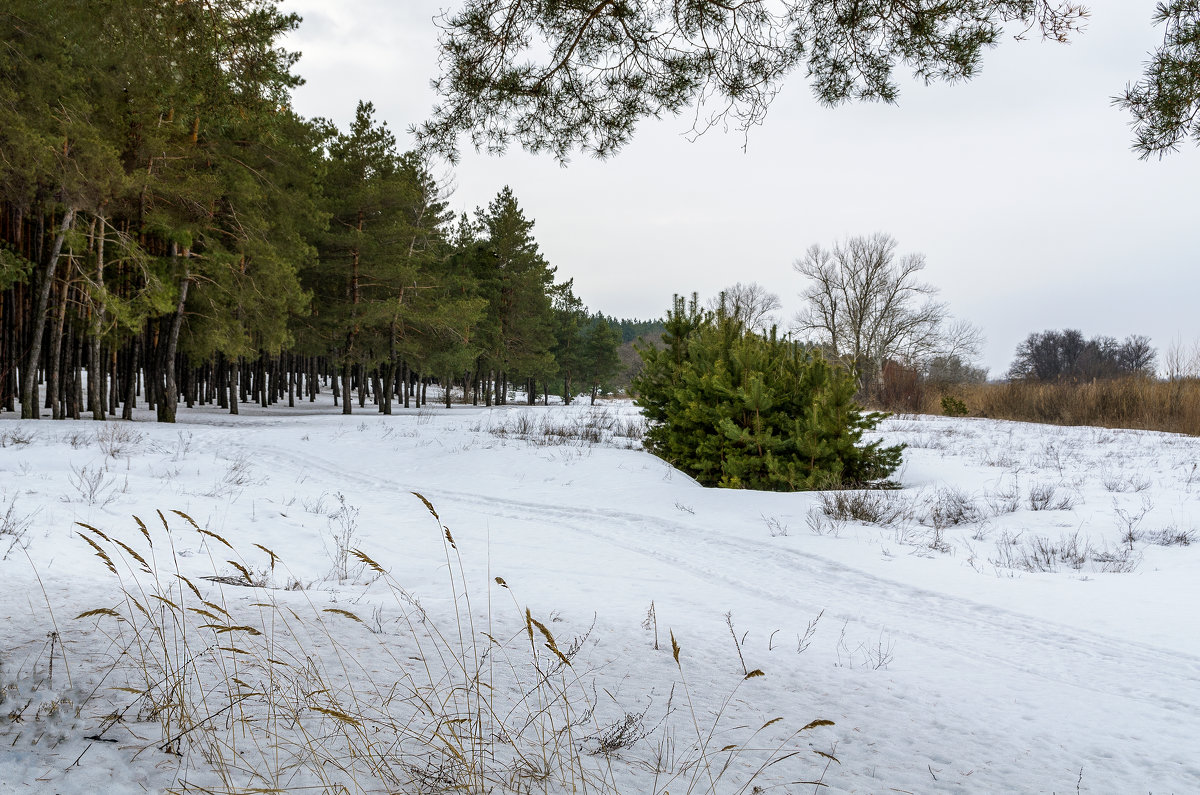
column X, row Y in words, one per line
column 737, row 409
column 953, row 407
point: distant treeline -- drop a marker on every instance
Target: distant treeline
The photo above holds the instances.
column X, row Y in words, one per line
column 171, row 230
column 633, row 330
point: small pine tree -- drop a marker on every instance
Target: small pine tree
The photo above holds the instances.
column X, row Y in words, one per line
column 737, row 409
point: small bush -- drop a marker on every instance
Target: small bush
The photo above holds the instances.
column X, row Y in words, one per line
column 1120, row 484
column 117, row 440
column 1005, row 500
column 15, row 437
column 1035, row 553
column 1045, row 497
column 950, row 507
column 737, row 409
column 873, row 506
column 14, row 527
column 953, row 407
column 93, row 485
column 1171, row 537
column 595, row 426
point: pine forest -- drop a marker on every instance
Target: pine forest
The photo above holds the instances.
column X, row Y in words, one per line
column 172, row 231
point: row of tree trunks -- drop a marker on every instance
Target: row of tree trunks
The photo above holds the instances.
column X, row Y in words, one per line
column 82, row 373
column 45, row 283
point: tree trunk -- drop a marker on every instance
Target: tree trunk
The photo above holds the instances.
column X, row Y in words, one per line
column 29, row 398
column 233, row 370
column 54, row 370
column 243, row 381
column 95, row 369
column 385, row 386
column 75, row 400
column 188, row 386
column 168, row 399
column 131, row 378
column 111, row 383
column 221, row 381
column 264, row 384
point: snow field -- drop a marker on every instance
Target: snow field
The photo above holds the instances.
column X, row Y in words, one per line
column 1020, row 616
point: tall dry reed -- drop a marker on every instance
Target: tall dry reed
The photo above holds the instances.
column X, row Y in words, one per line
column 1140, row 403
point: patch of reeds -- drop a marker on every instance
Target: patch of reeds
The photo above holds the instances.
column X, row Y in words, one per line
column 242, row 686
column 1140, row 403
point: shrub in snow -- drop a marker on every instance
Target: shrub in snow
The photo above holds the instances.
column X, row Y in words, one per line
column 737, row 409
column 953, row 407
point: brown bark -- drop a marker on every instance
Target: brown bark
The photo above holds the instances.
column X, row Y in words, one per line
column 346, row 395
column 54, row 400
column 96, row 370
column 29, row 397
column 168, row 398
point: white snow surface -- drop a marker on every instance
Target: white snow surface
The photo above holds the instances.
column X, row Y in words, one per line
column 945, row 659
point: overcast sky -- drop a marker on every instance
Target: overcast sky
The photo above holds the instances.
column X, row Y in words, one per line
column 1019, row 187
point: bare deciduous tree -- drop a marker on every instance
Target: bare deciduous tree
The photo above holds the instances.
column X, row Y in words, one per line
column 752, row 304
column 1058, row 355
column 1182, row 360
column 864, row 305
column 1137, row 355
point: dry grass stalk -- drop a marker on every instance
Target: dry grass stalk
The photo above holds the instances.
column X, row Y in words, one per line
column 270, row 691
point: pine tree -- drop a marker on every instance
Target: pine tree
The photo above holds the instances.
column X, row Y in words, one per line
column 436, row 308
column 361, row 265
column 570, row 317
column 600, row 342
column 516, row 280
column 737, row 409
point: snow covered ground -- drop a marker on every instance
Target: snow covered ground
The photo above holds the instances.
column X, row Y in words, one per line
column 1020, row 616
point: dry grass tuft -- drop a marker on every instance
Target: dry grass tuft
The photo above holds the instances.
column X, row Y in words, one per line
column 598, row 425
column 269, row 691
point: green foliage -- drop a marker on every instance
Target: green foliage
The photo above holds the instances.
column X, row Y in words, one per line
column 953, row 407
column 572, row 76
column 517, row 333
column 633, row 329
column 386, row 285
column 585, row 347
column 600, row 362
column 1165, row 103
column 740, row 410
column 167, row 203
column 14, row 269
column 570, row 317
